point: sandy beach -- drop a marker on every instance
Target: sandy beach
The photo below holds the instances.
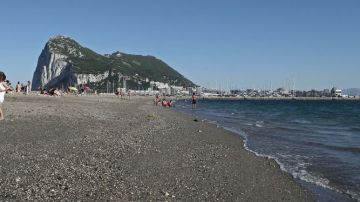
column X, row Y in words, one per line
column 104, row 148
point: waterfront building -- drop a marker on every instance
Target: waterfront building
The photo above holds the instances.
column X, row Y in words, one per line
column 199, row 90
column 335, row 92
column 338, row 93
column 175, row 90
column 190, row 90
column 326, row 93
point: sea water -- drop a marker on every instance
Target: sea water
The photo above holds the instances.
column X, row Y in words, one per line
column 317, row 142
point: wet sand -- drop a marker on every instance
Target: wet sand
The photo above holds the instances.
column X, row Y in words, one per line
column 104, row 148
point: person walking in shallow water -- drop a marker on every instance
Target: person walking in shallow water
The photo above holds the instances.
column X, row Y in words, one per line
column 3, row 89
column 193, row 101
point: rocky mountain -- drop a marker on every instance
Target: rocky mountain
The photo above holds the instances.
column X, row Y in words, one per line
column 63, row 62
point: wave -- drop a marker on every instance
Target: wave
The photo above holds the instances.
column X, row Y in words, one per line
column 346, row 149
column 297, row 172
column 333, row 147
column 289, row 128
column 301, row 121
column 289, row 133
column 259, row 124
column 355, row 129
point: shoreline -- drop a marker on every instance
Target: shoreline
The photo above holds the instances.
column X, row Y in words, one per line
column 320, row 191
column 101, row 148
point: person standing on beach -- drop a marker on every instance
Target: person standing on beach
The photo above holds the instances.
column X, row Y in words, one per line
column 193, row 101
column 122, row 93
column 118, row 92
column 3, row 89
column 18, row 87
column 29, row 84
column 27, row 88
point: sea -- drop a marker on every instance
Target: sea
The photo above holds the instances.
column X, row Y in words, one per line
column 316, row 141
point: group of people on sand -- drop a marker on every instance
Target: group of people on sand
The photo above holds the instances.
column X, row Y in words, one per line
column 51, row 91
column 170, row 103
column 23, row 88
column 5, row 87
column 69, row 90
column 163, row 102
column 19, row 87
column 120, row 93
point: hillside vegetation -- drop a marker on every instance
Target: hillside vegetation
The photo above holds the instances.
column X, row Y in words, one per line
column 86, row 61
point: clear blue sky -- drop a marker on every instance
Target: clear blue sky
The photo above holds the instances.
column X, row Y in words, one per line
column 244, row 44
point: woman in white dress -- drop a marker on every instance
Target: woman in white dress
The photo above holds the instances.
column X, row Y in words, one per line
column 3, row 89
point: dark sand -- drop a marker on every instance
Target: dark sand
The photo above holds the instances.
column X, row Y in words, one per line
column 98, row 148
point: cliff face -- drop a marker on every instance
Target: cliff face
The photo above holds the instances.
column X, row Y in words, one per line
column 63, row 62
column 52, row 67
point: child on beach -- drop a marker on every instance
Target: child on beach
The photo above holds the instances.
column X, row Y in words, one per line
column 164, row 103
column 157, row 100
column 171, row 103
column 3, row 89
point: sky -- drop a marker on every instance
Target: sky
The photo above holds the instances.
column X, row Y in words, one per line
column 307, row 44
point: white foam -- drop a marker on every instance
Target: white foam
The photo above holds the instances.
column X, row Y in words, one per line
column 353, row 195
column 297, row 173
column 259, row 124
column 301, row 121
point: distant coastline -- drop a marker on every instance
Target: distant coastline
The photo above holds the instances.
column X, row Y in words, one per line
column 279, row 98
column 271, row 98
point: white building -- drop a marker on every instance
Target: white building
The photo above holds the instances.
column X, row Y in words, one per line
column 199, row 90
column 175, row 90
column 338, row 93
column 190, row 90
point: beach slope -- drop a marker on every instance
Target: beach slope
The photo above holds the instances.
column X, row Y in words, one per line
column 104, row 148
